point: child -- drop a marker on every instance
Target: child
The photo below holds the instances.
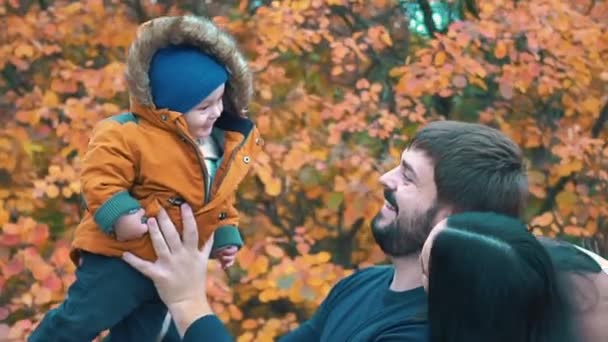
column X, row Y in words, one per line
column 184, row 141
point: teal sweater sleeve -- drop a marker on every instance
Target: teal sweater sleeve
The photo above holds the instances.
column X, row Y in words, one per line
column 207, row 328
column 210, row 328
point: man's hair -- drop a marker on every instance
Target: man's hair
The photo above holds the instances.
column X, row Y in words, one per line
column 491, row 280
column 477, row 168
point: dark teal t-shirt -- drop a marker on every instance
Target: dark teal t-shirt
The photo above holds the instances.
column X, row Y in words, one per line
column 361, row 307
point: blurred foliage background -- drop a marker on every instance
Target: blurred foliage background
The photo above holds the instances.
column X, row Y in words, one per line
column 340, row 87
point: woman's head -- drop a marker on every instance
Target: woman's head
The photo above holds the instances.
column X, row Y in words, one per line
column 489, row 279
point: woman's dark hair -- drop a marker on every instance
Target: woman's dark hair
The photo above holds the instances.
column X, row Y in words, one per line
column 491, row 280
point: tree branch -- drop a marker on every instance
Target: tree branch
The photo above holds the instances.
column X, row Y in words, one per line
column 590, row 8
column 139, row 10
column 427, row 11
column 356, row 227
column 270, row 210
column 341, row 218
column 601, row 121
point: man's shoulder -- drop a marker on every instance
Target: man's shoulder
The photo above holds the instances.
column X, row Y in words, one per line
column 371, row 272
column 360, row 278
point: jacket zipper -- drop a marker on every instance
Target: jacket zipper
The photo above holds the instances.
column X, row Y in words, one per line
column 229, row 161
column 203, row 168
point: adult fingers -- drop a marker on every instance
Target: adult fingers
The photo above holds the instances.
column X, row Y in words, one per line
column 143, row 266
column 158, row 242
column 206, row 250
column 169, row 231
column 190, row 229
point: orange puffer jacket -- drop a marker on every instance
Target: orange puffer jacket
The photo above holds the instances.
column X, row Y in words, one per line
column 147, row 158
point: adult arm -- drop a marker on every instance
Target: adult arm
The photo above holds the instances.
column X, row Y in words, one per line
column 180, row 277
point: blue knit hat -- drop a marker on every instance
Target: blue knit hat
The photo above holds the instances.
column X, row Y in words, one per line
column 183, row 76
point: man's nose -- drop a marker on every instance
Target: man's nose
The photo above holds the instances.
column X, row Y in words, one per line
column 388, row 180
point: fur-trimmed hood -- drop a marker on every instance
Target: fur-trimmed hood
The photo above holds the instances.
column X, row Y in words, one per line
column 199, row 32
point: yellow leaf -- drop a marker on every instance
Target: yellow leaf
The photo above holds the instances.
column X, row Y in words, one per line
column 52, row 191
column 386, row 38
column 323, row 257
column 273, row 187
column 50, row 99
column 246, row 337
column 591, row 105
column 24, row 50
column 565, row 201
column 66, row 192
column 266, row 93
column 259, row 266
column 567, row 168
column 440, row 58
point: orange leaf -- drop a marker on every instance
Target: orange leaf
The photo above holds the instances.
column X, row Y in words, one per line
column 303, row 248
column 542, row 220
column 235, row 312
column 249, row 324
column 52, row 282
column 500, row 51
column 41, row 295
column 459, row 81
column 13, row 267
column 61, row 256
column 337, row 70
column 440, row 58
column 506, row 90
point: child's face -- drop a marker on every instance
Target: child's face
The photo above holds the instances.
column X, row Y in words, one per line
column 201, row 118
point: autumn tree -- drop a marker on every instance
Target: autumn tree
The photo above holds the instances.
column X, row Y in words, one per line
column 340, row 87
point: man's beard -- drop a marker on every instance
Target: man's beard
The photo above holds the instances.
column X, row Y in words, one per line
column 405, row 234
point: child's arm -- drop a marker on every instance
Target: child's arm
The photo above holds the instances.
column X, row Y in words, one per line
column 109, row 170
column 227, row 238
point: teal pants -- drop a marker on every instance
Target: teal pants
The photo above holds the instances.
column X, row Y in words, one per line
column 107, row 294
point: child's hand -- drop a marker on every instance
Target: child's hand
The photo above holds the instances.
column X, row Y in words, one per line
column 226, row 255
column 131, row 226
